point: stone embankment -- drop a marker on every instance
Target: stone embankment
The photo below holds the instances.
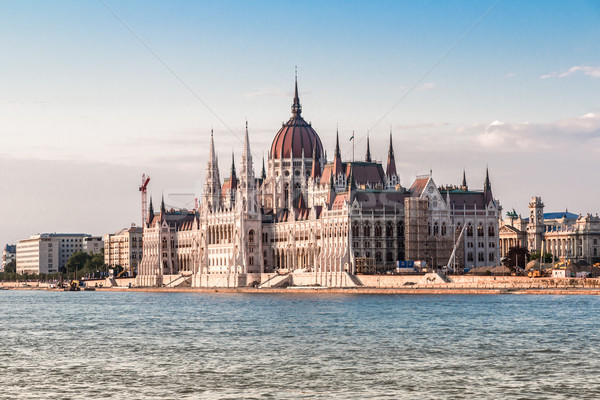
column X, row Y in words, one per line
column 386, row 284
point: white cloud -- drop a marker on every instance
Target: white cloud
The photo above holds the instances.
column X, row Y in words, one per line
column 587, row 70
column 426, row 86
column 509, row 75
column 268, row 92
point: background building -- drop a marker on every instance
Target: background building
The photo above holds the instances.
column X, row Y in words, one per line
column 9, row 254
column 565, row 235
column 124, row 248
column 48, row 253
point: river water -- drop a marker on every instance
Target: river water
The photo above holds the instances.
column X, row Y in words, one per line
column 260, row 346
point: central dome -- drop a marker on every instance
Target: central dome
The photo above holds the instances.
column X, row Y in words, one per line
column 296, row 136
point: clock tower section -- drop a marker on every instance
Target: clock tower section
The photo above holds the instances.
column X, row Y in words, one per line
column 535, row 227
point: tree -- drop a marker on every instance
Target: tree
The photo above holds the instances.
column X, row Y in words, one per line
column 11, row 267
column 516, row 256
column 77, row 262
column 537, row 255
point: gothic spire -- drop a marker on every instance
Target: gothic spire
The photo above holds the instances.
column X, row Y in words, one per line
column 263, row 174
column 391, row 162
column 368, row 155
column 233, row 178
column 150, row 211
column 163, row 210
column 246, row 170
column 315, row 172
column 296, row 107
column 487, row 185
column 464, row 182
column 337, row 161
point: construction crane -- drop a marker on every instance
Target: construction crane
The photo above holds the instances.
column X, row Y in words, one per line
column 144, row 190
column 452, row 260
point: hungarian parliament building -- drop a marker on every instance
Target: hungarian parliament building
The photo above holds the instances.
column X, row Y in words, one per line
column 312, row 221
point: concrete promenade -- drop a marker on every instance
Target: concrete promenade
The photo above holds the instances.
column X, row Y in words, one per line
column 476, row 285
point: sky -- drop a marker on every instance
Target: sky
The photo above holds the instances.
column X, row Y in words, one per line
column 95, row 93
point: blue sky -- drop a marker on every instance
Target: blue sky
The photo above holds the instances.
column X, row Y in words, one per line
column 85, row 107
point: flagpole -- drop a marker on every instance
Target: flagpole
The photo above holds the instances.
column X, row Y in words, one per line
column 352, row 146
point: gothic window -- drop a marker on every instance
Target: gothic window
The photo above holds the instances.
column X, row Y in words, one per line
column 400, row 229
column 444, row 229
column 389, row 229
column 491, row 231
column 251, row 236
column 378, row 257
column 389, row 257
column 355, row 230
column 378, row 229
column 429, row 228
column 469, row 256
column 367, row 229
column 491, row 258
column 436, row 229
column 480, row 230
column 469, row 230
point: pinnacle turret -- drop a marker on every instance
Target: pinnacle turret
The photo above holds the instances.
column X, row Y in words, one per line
column 368, row 155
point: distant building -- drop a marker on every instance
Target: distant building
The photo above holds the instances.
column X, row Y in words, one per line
column 93, row 244
column 47, row 253
column 9, row 254
column 124, row 248
column 565, row 235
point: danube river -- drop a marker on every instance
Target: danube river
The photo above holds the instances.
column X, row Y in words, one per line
column 243, row 346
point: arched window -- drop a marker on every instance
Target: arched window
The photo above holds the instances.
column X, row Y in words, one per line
column 470, row 231
column 378, row 229
column 444, row 229
column 400, row 229
column 378, row 257
column 389, row 229
column 355, row 230
column 389, row 257
column 436, row 229
column 480, row 229
column 367, row 229
column 491, row 231
column 251, row 236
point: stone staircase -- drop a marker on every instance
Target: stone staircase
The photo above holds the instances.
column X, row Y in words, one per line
column 276, row 281
column 181, row 281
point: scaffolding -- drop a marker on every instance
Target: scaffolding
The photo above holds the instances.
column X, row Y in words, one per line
column 365, row 265
column 421, row 243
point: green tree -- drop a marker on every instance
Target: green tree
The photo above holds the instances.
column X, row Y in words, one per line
column 11, row 267
column 516, row 256
column 537, row 255
column 77, row 262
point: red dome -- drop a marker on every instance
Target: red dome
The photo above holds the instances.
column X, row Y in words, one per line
column 293, row 137
column 296, row 135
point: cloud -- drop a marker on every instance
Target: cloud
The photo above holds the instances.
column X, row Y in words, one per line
column 426, row 86
column 509, row 75
column 268, row 92
column 587, row 70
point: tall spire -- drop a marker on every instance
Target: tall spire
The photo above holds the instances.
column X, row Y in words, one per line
column 233, row 178
column 368, row 155
column 263, row 174
column 163, row 210
column 212, row 182
column 337, row 161
column 246, row 170
column 315, row 172
column 391, row 162
column 150, row 211
column 487, row 185
column 296, row 107
column 464, row 182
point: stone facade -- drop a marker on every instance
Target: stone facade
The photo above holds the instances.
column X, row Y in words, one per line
column 124, row 248
column 565, row 235
column 313, row 217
